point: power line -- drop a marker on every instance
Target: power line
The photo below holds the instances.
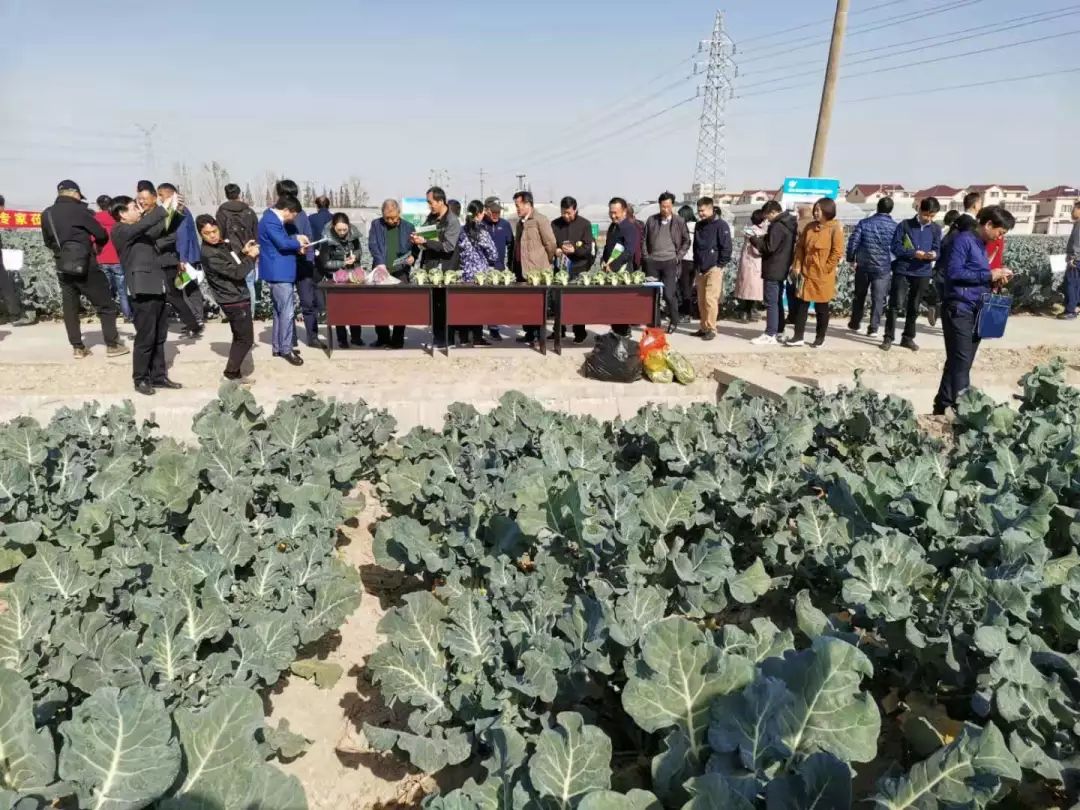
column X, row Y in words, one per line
column 920, row 62
column 822, row 21
column 887, row 22
column 949, row 39
column 616, row 132
column 608, row 110
column 926, row 91
column 710, row 168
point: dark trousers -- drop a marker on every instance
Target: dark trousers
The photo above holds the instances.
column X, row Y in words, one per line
column 906, row 293
column 395, row 337
column 878, row 288
column 774, row 307
column 179, row 302
column 243, row 338
column 95, row 287
column 151, row 329
column 311, row 300
column 801, row 310
column 351, row 334
column 668, row 273
column 10, row 295
column 687, row 288
column 1072, row 289
column 961, row 344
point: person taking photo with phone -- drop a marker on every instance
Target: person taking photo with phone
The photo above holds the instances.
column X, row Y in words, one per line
column 227, row 267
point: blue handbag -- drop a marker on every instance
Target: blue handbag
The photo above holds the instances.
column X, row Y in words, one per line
column 993, row 315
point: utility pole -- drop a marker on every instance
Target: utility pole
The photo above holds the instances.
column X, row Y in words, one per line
column 522, row 184
column 481, row 185
column 710, row 169
column 821, row 136
column 148, row 148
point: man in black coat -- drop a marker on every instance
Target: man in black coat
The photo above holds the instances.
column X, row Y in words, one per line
column 135, row 236
column 573, row 235
column 239, row 225
column 71, row 233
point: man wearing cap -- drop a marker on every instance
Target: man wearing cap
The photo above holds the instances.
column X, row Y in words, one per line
column 71, row 232
column 502, row 234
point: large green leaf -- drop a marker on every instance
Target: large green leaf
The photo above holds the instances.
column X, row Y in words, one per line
column 829, row 711
column 570, row 760
column 27, row 759
column 680, row 673
column 219, row 752
column 971, row 771
column 119, row 751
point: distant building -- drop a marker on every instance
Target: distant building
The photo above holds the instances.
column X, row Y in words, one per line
column 868, row 194
column 1014, row 198
column 1053, row 211
column 754, row 196
column 699, row 190
column 951, row 199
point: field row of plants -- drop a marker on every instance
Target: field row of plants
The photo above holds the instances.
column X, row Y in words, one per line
column 808, row 603
column 1033, row 287
column 752, row 604
column 154, row 591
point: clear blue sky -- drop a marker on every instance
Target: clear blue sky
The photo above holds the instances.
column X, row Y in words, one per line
column 387, row 91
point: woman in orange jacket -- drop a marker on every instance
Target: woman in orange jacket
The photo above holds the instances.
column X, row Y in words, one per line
column 820, row 248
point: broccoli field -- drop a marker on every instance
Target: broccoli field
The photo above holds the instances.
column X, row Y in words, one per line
column 810, row 602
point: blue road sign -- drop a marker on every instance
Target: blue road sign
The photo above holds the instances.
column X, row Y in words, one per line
column 810, row 188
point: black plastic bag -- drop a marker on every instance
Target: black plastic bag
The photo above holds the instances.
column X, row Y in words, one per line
column 613, row 359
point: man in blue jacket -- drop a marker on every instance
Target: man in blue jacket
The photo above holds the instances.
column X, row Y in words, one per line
column 870, row 250
column 712, row 253
column 915, row 245
column 278, row 250
column 388, row 241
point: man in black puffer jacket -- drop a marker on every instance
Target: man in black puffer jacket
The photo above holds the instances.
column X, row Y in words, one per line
column 777, row 248
column 71, row 233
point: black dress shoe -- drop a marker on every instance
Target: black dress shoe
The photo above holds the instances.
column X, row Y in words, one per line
column 672, row 326
column 145, row 388
column 191, row 334
column 167, row 383
column 524, row 339
column 293, row 359
column 495, row 334
column 317, row 344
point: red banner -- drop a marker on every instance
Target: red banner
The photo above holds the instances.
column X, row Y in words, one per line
column 20, row 219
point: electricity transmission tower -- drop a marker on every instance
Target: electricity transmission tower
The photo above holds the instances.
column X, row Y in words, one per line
column 710, row 171
column 148, row 147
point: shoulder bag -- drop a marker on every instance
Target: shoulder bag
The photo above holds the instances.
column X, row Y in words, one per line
column 993, row 315
column 73, row 258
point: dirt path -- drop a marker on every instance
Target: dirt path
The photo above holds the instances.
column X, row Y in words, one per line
column 339, row 772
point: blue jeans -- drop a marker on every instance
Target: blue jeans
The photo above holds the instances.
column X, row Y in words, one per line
column 1072, row 289
column 284, row 329
column 878, row 288
column 249, row 279
column 114, row 273
column 774, row 307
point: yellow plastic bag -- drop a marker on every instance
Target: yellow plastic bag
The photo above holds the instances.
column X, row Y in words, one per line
column 655, row 361
column 662, row 375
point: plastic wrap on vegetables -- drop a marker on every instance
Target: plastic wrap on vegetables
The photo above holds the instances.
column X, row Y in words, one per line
column 420, row 277
column 341, row 276
column 357, row 276
column 680, row 367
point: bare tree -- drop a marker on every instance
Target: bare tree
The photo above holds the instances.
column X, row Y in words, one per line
column 184, row 180
column 358, row 195
column 264, row 187
column 247, row 194
column 212, row 179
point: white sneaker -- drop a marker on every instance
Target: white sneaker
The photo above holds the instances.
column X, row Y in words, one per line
column 794, row 344
column 764, row 340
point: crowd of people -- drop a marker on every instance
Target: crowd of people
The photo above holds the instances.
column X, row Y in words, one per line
column 140, row 256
